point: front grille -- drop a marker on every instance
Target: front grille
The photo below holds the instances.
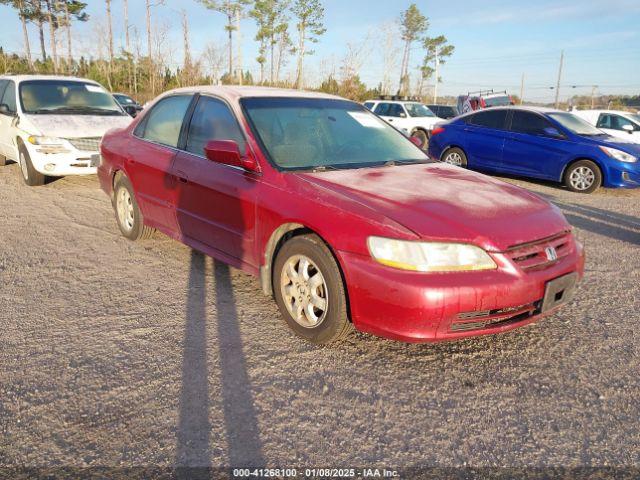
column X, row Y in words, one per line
column 493, row 318
column 534, row 256
column 86, row 144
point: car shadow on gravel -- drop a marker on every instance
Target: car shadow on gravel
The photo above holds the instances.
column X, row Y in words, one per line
column 617, row 226
column 193, row 453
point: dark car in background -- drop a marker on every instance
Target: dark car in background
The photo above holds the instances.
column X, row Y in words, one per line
column 444, row 111
column 128, row 104
column 539, row 143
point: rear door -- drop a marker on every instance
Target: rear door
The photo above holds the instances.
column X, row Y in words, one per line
column 216, row 202
column 150, row 158
column 484, row 140
column 531, row 150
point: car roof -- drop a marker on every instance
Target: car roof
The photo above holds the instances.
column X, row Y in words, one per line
column 22, row 78
column 234, row 92
column 617, row 112
column 525, row 108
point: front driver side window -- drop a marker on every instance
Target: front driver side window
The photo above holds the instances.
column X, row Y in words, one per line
column 164, row 121
column 9, row 97
column 212, row 120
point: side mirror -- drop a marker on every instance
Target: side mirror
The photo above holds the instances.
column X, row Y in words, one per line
column 417, row 141
column 227, row 152
column 403, row 115
column 553, row 132
column 4, row 110
column 628, row 128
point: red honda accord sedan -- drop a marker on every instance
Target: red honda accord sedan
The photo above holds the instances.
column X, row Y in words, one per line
column 345, row 220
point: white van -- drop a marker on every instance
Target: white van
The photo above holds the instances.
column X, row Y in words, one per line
column 52, row 125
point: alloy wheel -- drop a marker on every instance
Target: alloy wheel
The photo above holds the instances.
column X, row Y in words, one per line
column 304, row 291
column 582, row 178
column 453, row 158
column 124, row 208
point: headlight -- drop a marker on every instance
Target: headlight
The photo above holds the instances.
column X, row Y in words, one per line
column 34, row 140
column 429, row 256
column 48, row 144
column 618, row 154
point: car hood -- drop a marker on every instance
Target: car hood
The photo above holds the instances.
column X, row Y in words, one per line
column 443, row 202
column 74, row 126
column 629, row 145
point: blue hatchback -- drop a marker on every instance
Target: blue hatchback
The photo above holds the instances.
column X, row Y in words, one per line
column 539, row 143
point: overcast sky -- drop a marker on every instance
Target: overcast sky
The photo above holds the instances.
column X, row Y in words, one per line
column 496, row 40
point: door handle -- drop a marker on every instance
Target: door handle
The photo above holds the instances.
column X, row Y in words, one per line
column 391, row 119
column 182, row 178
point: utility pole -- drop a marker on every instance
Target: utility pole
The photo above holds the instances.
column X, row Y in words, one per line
column 437, row 78
column 559, row 79
column 522, row 89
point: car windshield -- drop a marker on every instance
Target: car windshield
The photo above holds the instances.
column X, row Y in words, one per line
column 318, row 133
column 575, row 124
column 66, row 97
column 124, row 100
column 497, row 101
column 418, row 110
column 635, row 117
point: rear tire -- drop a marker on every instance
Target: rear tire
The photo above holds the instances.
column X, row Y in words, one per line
column 30, row 175
column 583, row 177
column 3, row 160
column 423, row 136
column 309, row 291
column 127, row 212
column 455, row 156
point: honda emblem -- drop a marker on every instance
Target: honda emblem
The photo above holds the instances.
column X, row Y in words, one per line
column 552, row 255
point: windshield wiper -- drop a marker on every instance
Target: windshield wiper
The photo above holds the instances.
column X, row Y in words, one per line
column 94, row 110
column 324, row 168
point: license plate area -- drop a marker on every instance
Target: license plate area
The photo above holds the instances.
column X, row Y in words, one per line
column 95, row 160
column 559, row 291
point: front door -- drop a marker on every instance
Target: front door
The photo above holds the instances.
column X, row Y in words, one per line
column 7, row 120
column 216, row 203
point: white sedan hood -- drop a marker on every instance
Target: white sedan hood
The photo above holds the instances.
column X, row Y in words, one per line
column 76, row 126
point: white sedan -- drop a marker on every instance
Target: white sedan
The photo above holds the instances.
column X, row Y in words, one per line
column 616, row 123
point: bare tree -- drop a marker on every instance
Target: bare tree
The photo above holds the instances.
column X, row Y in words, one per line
column 390, row 54
column 110, row 40
column 214, row 58
column 152, row 72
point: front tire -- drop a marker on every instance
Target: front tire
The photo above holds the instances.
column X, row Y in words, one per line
column 309, row 291
column 583, row 177
column 29, row 174
column 455, row 156
column 127, row 212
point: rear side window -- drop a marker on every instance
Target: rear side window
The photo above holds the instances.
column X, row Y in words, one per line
column 529, row 123
column 9, row 96
column 369, row 105
column 489, row 119
column 163, row 123
column 212, row 120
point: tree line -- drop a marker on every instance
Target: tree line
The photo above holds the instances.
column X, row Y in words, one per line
column 286, row 30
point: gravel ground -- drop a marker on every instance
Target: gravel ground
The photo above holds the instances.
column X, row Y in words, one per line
column 120, row 354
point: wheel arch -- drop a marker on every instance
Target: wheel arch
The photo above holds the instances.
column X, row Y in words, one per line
column 579, row 159
column 278, row 238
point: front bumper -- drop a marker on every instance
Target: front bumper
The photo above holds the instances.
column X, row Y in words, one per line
column 418, row 307
column 623, row 175
column 75, row 162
